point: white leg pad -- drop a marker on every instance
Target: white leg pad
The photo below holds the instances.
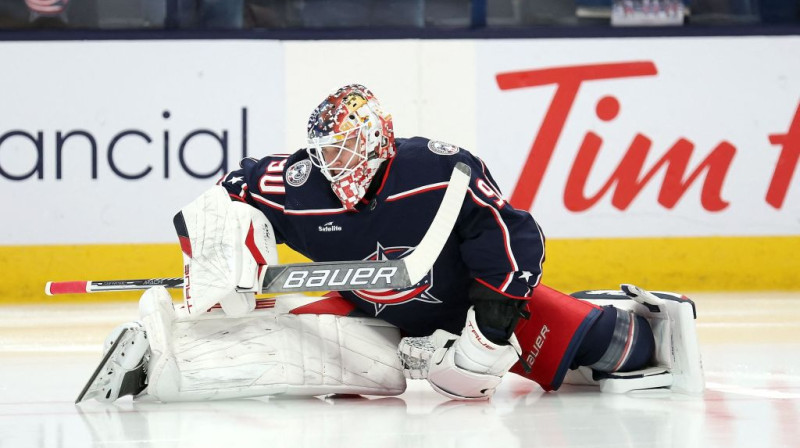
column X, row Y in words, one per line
column 267, row 353
column 677, row 362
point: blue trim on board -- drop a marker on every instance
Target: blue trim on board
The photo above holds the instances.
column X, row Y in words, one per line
column 592, row 31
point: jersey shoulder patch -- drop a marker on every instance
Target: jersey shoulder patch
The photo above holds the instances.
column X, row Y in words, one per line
column 442, row 148
column 298, row 173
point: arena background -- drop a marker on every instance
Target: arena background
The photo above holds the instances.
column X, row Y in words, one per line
column 668, row 162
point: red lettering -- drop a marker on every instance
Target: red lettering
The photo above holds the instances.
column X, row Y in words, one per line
column 787, row 162
column 628, row 177
column 630, row 182
column 568, row 81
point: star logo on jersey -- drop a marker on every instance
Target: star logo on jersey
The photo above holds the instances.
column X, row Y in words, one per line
column 382, row 298
column 235, row 179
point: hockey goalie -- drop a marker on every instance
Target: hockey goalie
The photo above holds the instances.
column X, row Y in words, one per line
column 478, row 313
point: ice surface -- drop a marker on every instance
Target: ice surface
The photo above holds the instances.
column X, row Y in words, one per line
column 751, row 351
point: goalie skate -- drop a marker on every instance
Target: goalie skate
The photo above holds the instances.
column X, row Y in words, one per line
column 123, row 369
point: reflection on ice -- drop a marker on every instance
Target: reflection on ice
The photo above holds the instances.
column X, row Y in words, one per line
column 753, row 397
column 577, row 417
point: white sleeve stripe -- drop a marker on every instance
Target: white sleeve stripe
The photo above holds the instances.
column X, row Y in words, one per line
column 504, row 231
column 417, row 190
column 489, row 180
column 505, row 284
column 320, row 211
column 275, row 205
column 266, row 202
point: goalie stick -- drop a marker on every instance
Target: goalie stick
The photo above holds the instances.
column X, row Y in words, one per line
column 328, row 276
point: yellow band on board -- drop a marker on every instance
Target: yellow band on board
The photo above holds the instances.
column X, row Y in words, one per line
column 675, row 264
column 26, row 269
column 671, row 264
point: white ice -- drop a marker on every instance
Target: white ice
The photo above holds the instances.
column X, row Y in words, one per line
column 750, row 344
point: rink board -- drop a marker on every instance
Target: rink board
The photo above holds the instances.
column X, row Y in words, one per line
column 670, row 162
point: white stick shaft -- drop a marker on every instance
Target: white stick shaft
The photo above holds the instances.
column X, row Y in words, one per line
column 424, row 256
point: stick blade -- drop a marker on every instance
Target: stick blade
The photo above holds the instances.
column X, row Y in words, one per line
column 335, row 276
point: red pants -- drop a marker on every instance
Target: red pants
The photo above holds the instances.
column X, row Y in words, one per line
column 552, row 335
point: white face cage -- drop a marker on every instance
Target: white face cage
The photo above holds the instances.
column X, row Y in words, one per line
column 338, row 155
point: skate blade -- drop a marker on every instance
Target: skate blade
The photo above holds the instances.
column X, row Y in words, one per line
column 100, row 367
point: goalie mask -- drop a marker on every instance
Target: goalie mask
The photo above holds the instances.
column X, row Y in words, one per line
column 349, row 137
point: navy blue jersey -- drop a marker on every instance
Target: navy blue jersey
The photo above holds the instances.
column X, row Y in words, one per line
column 492, row 243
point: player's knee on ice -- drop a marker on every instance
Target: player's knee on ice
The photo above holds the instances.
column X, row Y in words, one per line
column 618, row 341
